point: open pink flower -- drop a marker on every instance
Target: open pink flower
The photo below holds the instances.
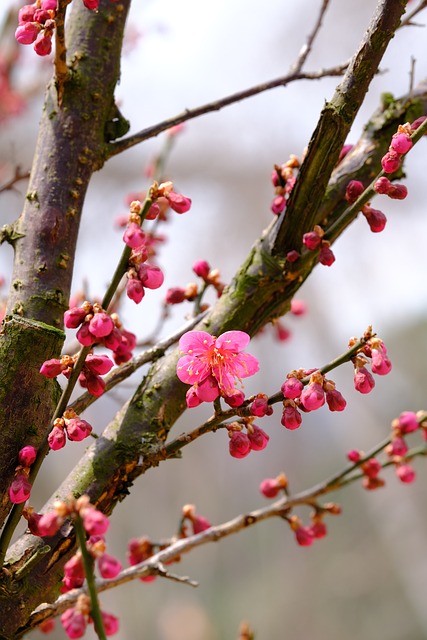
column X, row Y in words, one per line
column 220, row 360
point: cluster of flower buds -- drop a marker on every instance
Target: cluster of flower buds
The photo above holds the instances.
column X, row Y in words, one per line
column 375, row 352
column 198, row 523
column 283, row 179
column 305, row 536
column 139, row 550
column 397, row 451
column 37, row 25
column 401, row 142
column 210, row 277
column 212, row 365
column 98, row 327
column 313, row 240
column 69, row 425
column 271, row 487
column 76, row 619
column 74, row 573
column 20, row 488
column 241, row 442
column 90, row 376
column 309, row 397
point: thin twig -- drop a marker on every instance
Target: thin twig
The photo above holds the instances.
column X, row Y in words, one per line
column 306, row 48
column 150, row 132
column 407, row 22
column 7, row 186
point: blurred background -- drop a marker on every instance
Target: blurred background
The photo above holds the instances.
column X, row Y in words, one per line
column 368, row 577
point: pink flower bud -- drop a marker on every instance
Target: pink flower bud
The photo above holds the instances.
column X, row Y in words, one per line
column 77, row 429
column 397, row 192
column 111, row 623
column 235, row 398
column 178, row 202
column 208, row 390
column 134, row 236
column 239, row 445
column 109, row 566
column 27, row 456
column 113, row 340
column 304, row 536
column 417, row 123
column 74, row 571
column 201, row 268
column 175, row 295
column 56, row 438
column 371, row 467
column 258, row 438
column 397, row 447
column 401, row 143
column 49, row 524
column 311, row 240
column 408, row 422
column 95, row 522
column 313, row 396
column 85, row 336
column 98, row 364
column 292, row 388
column 91, row 4
column 46, row 626
column 150, row 276
column 27, row 32
column 192, row 399
column 49, row 5
column 335, row 400
column 292, row 256
column 405, row 473
column 391, row 161
column 318, row 529
column 20, row 489
column 74, row 317
column 199, row 524
column 270, row 488
column 298, row 307
column 92, row 382
column 354, row 456
column 153, row 212
column 51, row 368
column 101, row 325
column 381, row 364
column 376, row 219
column 135, row 290
column 382, row 185
column 26, row 14
column 43, row 43
column 74, row 622
column 363, row 380
column 326, row 256
column 291, row 418
column 353, row 190
column 344, row 151
column 278, row 204
column 260, row 407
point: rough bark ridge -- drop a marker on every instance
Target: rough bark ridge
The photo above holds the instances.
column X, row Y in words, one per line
column 73, row 142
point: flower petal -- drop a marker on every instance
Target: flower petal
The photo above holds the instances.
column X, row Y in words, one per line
column 233, row 340
column 244, row 365
column 196, row 343
column 191, row 370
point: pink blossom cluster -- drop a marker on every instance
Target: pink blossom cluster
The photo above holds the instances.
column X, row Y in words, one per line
column 305, row 398
column 375, row 218
column 212, row 365
column 313, row 241
column 397, row 451
column 20, row 488
column 139, row 550
column 306, row 535
column 375, row 352
column 90, row 376
column 209, row 276
column 108, row 566
column 36, row 25
column 71, row 426
column 76, row 619
column 198, row 523
column 241, row 443
column 98, row 327
column 283, row 179
column 401, row 142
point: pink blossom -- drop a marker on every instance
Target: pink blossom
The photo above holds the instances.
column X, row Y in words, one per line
column 391, row 161
column 109, row 566
column 27, row 32
column 111, row 623
column 178, row 202
column 98, row 363
column 26, row 14
column 381, row 364
column 371, row 467
column 20, row 489
column 382, row 185
column 405, row 473
column 52, row 368
column 375, row 218
column 298, row 307
column 408, row 422
column 270, row 487
column 27, row 456
column 74, row 623
column 363, row 380
column 260, row 407
column 85, row 336
column 49, row 524
column 95, row 522
column 291, row 417
column 150, row 276
column 221, row 358
column 199, row 523
column 344, row 151
column 49, row 5
column 74, row 317
column 326, row 256
column 318, row 529
column 92, row 382
column 335, row 400
column 101, row 325
column 77, row 429
column 401, row 143
column 74, row 572
column 292, row 256
column 292, row 388
column 91, row 4
column 278, row 204
column 43, row 43
column 201, row 268
column 397, row 192
column 311, row 240
column 353, row 190
column 313, row 396
column 192, row 399
column 56, row 438
column 354, row 456
column 418, row 122
column 235, row 399
column 239, row 444
column 397, row 447
column 258, row 438
column 133, row 236
column 135, row 290
column 175, row 295
column 304, row 536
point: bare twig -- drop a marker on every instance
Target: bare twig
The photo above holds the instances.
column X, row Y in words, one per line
column 17, row 177
column 306, row 48
column 407, row 22
column 150, row 132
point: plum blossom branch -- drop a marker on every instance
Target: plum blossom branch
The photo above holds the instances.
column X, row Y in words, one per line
column 280, row 508
column 150, row 132
column 306, row 48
